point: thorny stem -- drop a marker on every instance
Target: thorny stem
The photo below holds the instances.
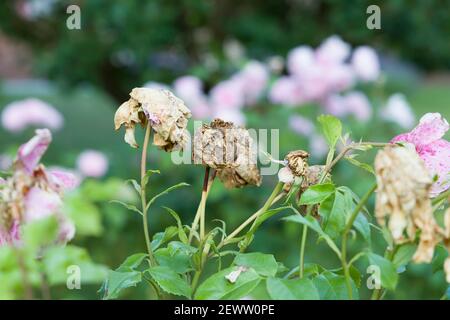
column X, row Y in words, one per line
column 348, row 227
column 274, row 197
column 143, row 195
column 202, row 206
column 346, row 149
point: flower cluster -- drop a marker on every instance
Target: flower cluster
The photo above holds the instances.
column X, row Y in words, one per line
column 34, row 192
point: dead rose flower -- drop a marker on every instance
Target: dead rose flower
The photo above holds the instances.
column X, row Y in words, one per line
column 297, row 162
column 403, row 197
column 167, row 115
column 229, row 150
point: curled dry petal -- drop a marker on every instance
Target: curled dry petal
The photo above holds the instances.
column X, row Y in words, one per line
column 297, row 161
column 403, row 197
column 128, row 116
column 168, row 116
column 30, row 153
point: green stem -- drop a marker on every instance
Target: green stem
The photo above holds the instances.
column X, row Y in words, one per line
column 202, row 206
column 269, row 202
column 302, row 251
column 144, row 197
column 345, row 234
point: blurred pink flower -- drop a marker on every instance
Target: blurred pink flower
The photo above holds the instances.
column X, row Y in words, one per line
column 365, row 63
column 62, row 179
column 301, row 125
column 432, row 149
column 227, row 94
column 92, row 163
column 358, row 105
column 300, row 59
column 41, row 204
column 333, row 51
column 30, row 153
column 318, row 146
column 254, row 78
column 188, row 88
column 338, row 77
column 336, row 105
column 286, row 91
column 19, row 115
column 398, row 110
column 234, row 115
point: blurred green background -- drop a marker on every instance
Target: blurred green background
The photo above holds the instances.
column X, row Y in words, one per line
column 87, row 73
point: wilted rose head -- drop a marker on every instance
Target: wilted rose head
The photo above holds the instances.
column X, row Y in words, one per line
column 297, row 162
column 403, row 197
column 164, row 112
column 33, row 192
column 228, row 149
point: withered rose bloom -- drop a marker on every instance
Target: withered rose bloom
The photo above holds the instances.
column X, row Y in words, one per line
column 167, row 115
column 403, row 198
column 297, row 162
column 228, row 149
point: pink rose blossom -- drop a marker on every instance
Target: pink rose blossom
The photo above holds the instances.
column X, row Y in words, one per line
column 254, row 78
column 301, row 125
column 365, row 63
column 300, row 59
column 11, row 236
column 286, row 91
column 232, row 115
column 228, row 94
column 333, row 50
column 30, row 153
column 92, row 163
column 358, row 104
column 188, row 88
column 432, row 149
column 63, row 179
column 398, row 110
column 19, row 115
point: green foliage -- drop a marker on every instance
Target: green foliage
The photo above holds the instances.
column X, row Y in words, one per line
column 218, row 287
column 170, row 281
column 297, row 289
column 331, row 128
column 264, row 264
column 317, row 193
column 388, row 272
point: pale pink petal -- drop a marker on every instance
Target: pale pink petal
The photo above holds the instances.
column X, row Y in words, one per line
column 92, row 163
column 436, row 156
column 431, row 127
column 228, row 94
column 41, row 204
column 333, row 50
column 11, row 236
column 66, row 229
column 365, row 63
column 300, row 59
column 30, row 153
column 63, row 179
column 358, row 104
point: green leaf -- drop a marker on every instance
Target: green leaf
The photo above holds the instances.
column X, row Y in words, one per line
column 170, row 281
column 148, row 174
column 135, row 185
column 84, row 214
column 335, row 215
column 362, row 225
column 162, row 237
column 218, row 287
column 117, row 281
column 296, row 289
column 179, row 185
column 361, row 165
column 263, row 264
column 404, row 254
column 331, row 128
column 58, row 260
column 181, row 233
column 133, row 261
column 333, row 287
column 128, row 206
column 317, row 193
column 41, row 232
column 314, row 225
column 389, row 276
column 179, row 261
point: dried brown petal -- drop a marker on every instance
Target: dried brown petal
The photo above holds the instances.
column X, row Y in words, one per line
column 403, row 197
column 167, row 114
column 297, row 161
